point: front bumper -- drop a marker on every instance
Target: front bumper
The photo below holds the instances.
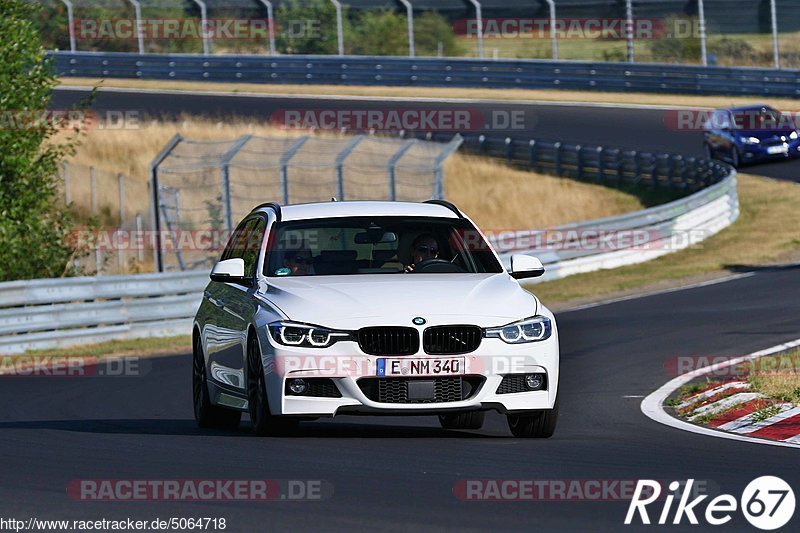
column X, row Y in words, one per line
column 345, row 365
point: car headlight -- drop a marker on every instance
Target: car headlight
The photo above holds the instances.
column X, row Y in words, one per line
column 534, row 329
column 305, row 335
column 793, row 135
column 750, row 140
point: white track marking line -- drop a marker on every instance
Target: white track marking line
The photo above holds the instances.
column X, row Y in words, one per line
column 769, row 421
column 747, row 420
column 295, row 96
column 653, row 405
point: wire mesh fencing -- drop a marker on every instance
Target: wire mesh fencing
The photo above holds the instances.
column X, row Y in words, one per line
column 203, row 188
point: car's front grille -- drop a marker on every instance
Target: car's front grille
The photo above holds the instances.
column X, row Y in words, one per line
column 396, row 390
column 451, row 340
column 317, row 387
column 388, row 340
column 516, row 383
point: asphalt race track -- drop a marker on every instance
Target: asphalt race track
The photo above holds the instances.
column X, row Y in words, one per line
column 639, row 128
column 398, row 473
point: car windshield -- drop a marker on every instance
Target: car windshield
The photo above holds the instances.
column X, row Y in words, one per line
column 377, row 245
column 764, row 118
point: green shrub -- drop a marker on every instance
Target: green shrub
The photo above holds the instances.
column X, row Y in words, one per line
column 33, row 228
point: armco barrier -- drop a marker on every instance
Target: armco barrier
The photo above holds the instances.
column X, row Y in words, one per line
column 62, row 312
column 433, row 72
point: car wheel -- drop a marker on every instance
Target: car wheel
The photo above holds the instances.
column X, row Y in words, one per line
column 539, row 424
column 264, row 422
column 735, row 161
column 467, row 420
column 206, row 414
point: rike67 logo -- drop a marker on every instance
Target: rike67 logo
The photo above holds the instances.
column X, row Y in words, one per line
column 767, row 503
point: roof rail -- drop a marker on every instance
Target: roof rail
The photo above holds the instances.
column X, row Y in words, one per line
column 445, row 203
column 275, row 206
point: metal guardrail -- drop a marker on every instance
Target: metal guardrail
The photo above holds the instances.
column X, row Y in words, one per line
column 50, row 313
column 433, row 72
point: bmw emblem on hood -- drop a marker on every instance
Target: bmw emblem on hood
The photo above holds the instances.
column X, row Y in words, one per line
column 418, row 320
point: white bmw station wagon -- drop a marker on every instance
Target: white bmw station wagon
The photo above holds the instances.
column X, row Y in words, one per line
column 361, row 307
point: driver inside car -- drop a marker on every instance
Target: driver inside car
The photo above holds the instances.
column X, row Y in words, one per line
column 423, row 248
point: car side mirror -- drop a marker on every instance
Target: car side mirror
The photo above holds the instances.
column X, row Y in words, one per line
column 525, row 266
column 229, row 271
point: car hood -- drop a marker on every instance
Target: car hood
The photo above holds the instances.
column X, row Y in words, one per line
column 765, row 133
column 380, row 299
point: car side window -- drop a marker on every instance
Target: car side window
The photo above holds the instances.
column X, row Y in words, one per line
column 721, row 120
column 254, row 238
column 236, row 244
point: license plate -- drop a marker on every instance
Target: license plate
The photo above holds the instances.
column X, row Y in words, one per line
column 777, row 149
column 449, row 366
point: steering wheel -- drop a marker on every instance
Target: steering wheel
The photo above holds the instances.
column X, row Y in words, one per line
column 436, row 265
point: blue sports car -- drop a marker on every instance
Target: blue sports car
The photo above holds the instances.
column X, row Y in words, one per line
column 749, row 134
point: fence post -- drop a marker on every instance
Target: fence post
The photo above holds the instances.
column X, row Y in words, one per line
column 557, row 159
column 340, row 157
column 579, row 161
column 438, row 173
column 204, row 26
column 71, row 22
column 532, row 144
column 137, row 8
column 701, row 14
column 139, row 251
column 601, row 164
column 67, row 196
column 509, row 150
column 225, row 163
column 629, row 29
column 93, row 188
column 774, row 22
column 479, row 18
column 410, row 17
column 553, row 37
column 153, row 184
column 391, row 166
column 339, row 31
column 271, row 25
column 121, row 179
column 284, row 164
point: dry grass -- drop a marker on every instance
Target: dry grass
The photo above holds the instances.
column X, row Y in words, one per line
column 765, row 232
column 778, row 377
column 497, row 196
column 544, row 95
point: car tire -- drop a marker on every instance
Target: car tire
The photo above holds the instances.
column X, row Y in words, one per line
column 538, row 425
column 264, row 422
column 466, row 420
column 206, row 414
